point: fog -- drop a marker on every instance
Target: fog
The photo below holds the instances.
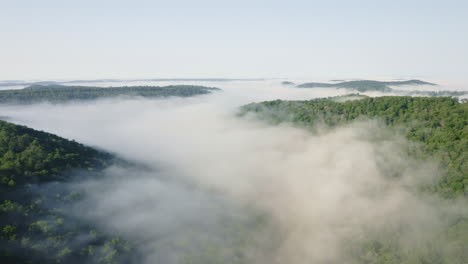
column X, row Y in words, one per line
column 273, row 194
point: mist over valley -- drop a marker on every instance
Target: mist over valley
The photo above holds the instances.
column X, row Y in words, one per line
column 252, row 172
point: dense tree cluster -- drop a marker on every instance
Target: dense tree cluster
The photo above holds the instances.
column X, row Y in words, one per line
column 33, row 226
column 31, row 156
column 440, row 128
column 60, row 93
column 441, row 124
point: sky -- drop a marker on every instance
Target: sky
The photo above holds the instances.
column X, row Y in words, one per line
column 56, row 39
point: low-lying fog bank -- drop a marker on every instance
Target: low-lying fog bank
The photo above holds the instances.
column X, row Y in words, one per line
column 273, row 194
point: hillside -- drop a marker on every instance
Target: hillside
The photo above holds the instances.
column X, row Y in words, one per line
column 440, row 124
column 287, row 83
column 31, row 156
column 60, row 93
column 33, row 226
column 439, row 128
column 364, row 85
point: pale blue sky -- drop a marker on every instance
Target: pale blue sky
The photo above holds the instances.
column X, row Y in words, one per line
column 52, row 39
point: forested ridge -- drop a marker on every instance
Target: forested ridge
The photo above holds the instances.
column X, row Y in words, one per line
column 365, row 85
column 31, row 156
column 61, row 93
column 33, row 225
column 35, row 202
column 36, row 228
column 440, row 128
column 440, row 124
column 383, row 86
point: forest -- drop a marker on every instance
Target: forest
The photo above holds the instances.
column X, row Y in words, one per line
column 439, row 123
column 438, row 127
column 31, row 230
column 60, row 93
column 35, row 167
column 380, row 86
column 365, row 85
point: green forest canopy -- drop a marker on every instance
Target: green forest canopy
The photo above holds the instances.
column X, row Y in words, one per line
column 30, row 231
column 439, row 123
column 61, row 93
column 379, row 86
column 28, row 155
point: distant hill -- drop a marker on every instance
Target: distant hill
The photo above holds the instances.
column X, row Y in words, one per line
column 364, row 85
column 21, row 83
column 59, row 93
column 33, row 226
column 7, row 83
column 287, row 83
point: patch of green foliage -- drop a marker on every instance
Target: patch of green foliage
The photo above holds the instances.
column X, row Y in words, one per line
column 440, row 124
column 31, row 156
column 431, row 93
column 61, row 93
column 33, row 226
column 347, row 97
